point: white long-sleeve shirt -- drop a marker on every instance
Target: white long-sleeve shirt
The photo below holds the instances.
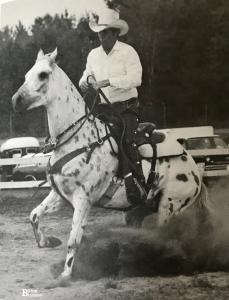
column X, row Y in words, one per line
column 122, row 67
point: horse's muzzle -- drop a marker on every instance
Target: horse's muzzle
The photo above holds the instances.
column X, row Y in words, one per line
column 17, row 101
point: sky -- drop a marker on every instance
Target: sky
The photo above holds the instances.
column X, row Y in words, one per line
column 13, row 11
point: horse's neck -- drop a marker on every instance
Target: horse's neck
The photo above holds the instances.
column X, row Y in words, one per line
column 66, row 104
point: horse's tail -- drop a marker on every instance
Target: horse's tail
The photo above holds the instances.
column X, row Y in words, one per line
column 203, row 200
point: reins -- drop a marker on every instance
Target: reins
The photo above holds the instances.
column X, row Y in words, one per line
column 53, row 144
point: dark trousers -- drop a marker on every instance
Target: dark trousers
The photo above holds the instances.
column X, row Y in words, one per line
column 125, row 113
column 129, row 111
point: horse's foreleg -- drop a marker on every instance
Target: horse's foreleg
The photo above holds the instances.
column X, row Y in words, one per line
column 50, row 204
column 81, row 210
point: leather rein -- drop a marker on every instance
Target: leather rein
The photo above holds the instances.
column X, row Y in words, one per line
column 54, row 144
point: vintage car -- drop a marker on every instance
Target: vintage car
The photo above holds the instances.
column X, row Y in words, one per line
column 213, row 152
column 19, row 146
column 13, row 150
column 207, row 149
column 36, row 170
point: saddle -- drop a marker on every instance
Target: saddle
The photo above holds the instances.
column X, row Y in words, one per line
column 112, row 117
column 146, row 134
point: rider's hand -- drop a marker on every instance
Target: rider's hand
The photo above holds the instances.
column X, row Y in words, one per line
column 100, row 84
column 84, row 86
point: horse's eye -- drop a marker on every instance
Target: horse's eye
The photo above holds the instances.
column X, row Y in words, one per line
column 43, row 75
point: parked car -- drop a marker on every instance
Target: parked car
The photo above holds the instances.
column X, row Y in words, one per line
column 23, row 147
column 207, row 149
column 36, row 170
column 213, row 152
column 19, row 146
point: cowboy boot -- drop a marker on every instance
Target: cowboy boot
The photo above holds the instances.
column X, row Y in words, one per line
column 133, row 191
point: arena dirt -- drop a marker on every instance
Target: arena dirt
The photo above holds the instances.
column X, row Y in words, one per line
column 188, row 259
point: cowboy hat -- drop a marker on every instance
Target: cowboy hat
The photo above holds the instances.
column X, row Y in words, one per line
column 109, row 19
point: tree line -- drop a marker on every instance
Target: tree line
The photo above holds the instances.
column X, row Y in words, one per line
column 183, row 46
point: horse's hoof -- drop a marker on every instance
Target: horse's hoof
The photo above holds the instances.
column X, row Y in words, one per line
column 52, row 242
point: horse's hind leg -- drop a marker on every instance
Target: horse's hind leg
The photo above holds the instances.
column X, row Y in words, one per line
column 81, row 211
column 50, row 204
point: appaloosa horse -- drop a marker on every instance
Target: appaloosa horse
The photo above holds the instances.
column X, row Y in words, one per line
column 82, row 165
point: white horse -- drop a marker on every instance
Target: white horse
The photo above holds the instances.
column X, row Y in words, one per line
column 82, row 165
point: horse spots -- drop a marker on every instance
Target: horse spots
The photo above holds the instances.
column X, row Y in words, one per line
column 91, row 167
column 59, row 98
column 77, row 172
column 98, row 159
column 170, row 208
column 83, row 160
column 93, row 133
column 182, row 177
column 67, row 100
column 71, row 88
column 76, row 138
column 98, row 168
column 98, row 183
column 84, row 135
column 92, row 189
column 77, row 183
column 161, row 160
column 69, row 263
column 169, row 166
column 170, row 199
column 46, row 208
column 89, row 140
column 185, row 203
column 184, row 158
column 196, row 178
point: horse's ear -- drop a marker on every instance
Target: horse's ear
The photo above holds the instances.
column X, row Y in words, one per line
column 53, row 56
column 40, row 54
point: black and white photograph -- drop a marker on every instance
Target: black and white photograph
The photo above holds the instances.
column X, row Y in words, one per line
column 114, row 149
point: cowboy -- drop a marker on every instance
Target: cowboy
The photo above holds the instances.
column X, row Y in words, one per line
column 117, row 71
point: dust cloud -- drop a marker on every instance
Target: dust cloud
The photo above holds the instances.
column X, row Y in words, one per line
column 196, row 241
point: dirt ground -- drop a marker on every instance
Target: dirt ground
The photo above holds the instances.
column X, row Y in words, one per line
column 114, row 262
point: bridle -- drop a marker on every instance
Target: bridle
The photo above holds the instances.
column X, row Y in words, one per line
column 52, row 144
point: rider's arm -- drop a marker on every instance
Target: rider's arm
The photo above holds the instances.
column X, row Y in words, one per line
column 83, row 83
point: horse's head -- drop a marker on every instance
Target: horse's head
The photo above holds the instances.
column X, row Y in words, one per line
column 35, row 91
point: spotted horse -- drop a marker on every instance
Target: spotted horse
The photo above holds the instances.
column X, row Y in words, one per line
column 83, row 165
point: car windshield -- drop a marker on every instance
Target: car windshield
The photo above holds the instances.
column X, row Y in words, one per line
column 212, row 142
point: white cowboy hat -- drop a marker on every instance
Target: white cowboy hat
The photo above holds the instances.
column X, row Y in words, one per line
column 109, row 19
